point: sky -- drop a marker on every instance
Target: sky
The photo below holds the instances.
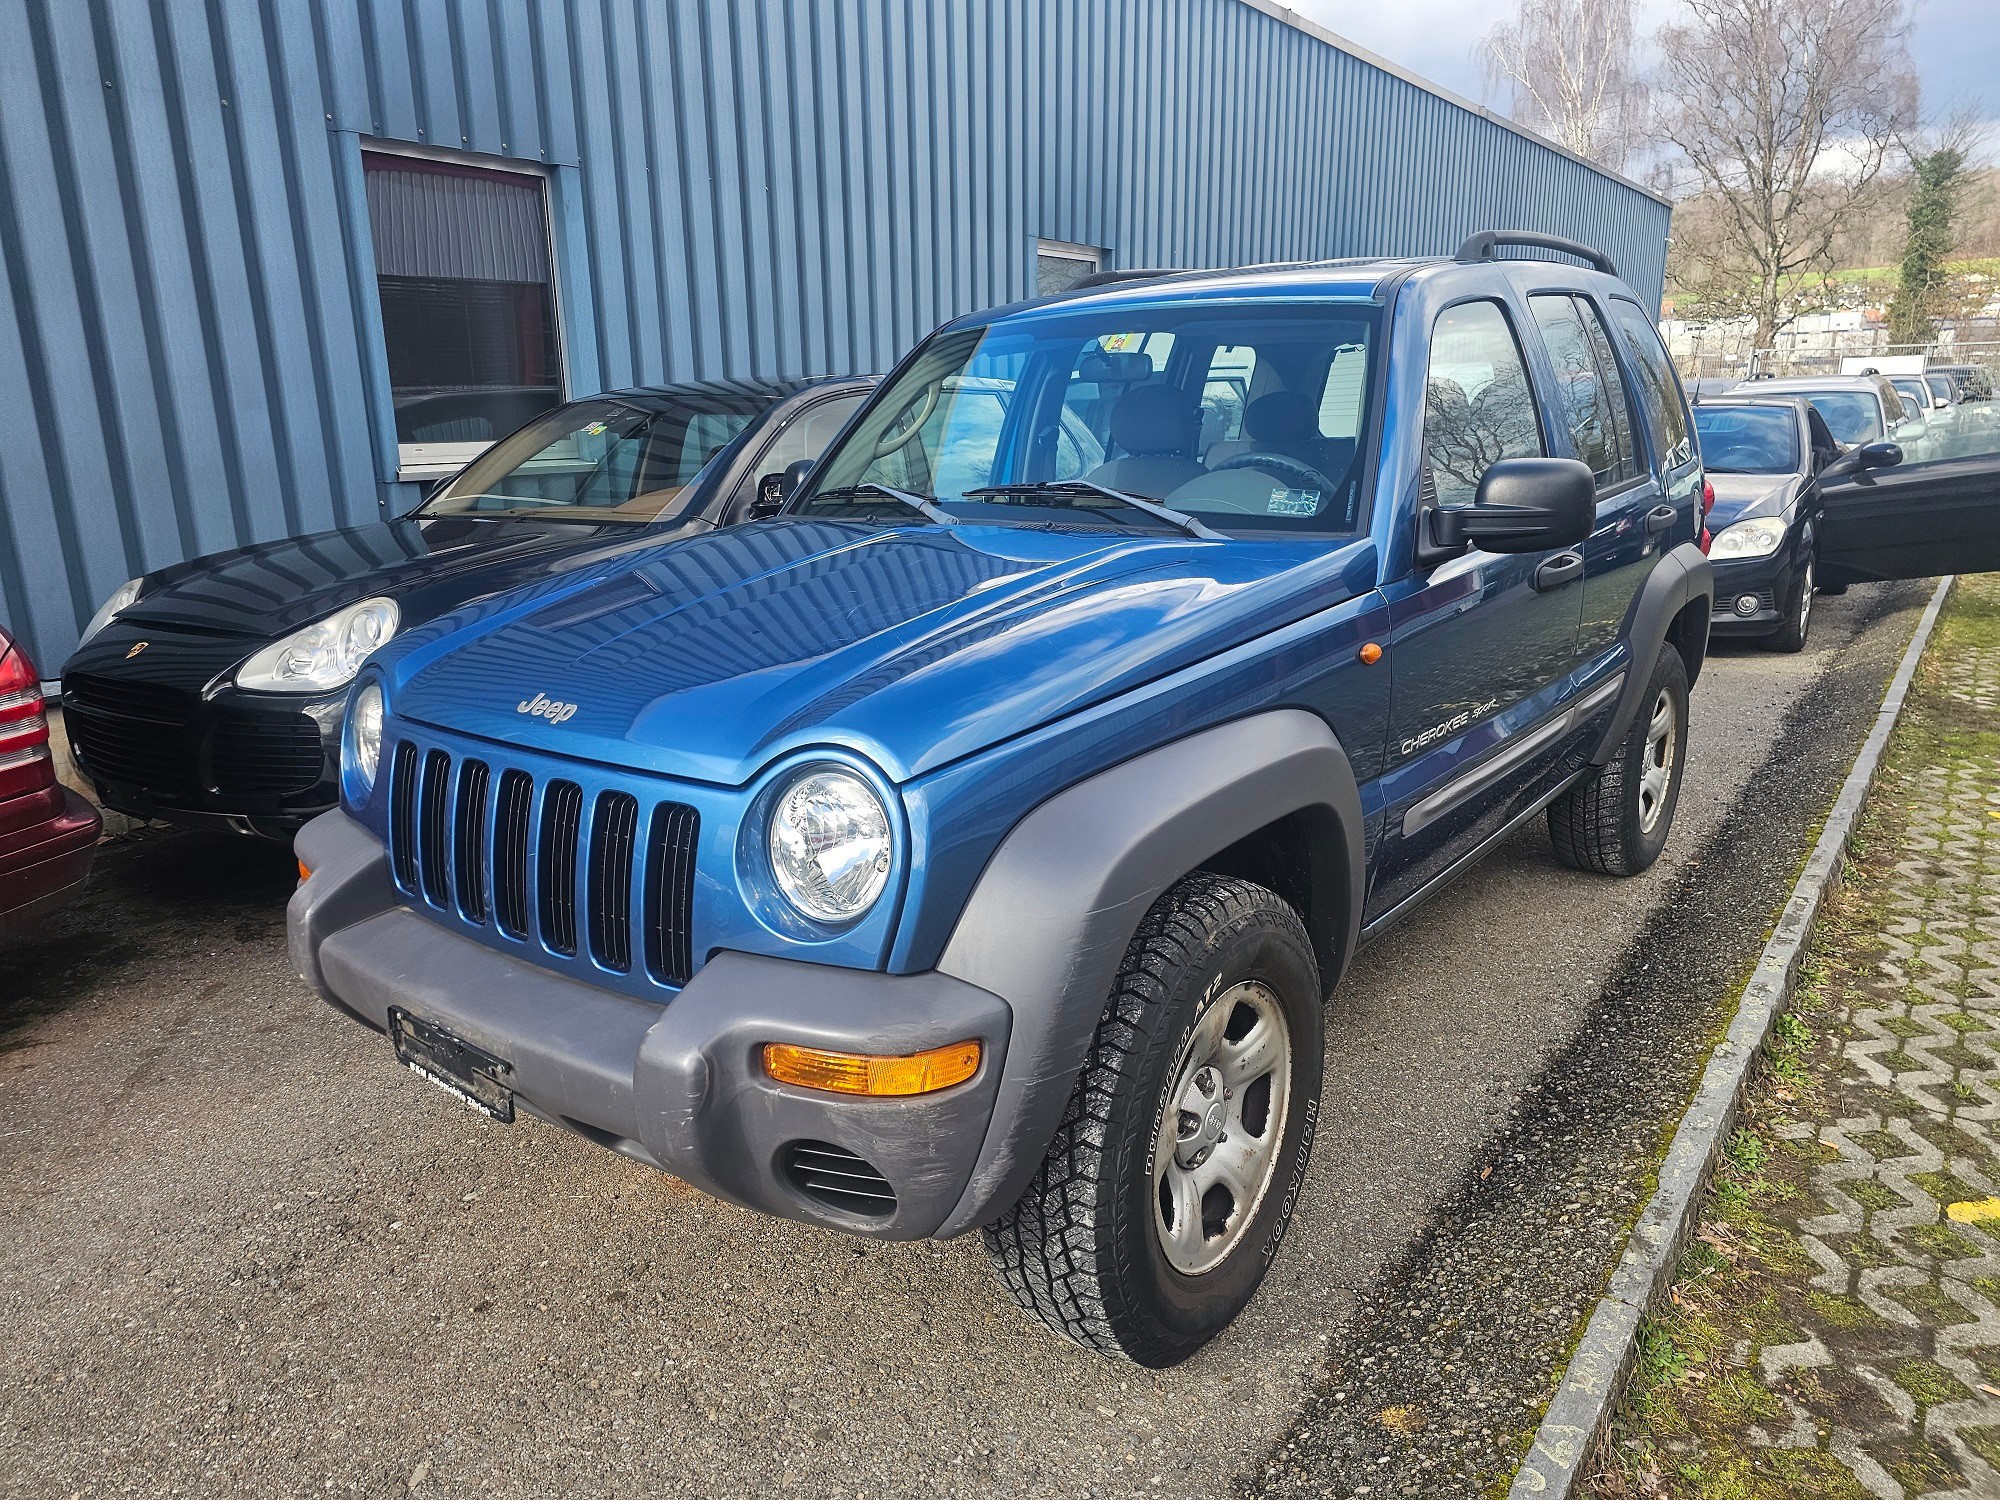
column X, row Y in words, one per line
column 1955, row 43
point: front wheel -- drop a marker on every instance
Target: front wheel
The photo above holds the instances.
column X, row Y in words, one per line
column 1174, row 1173
column 1791, row 636
column 1615, row 820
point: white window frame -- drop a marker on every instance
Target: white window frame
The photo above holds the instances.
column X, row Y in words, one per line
column 425, row 463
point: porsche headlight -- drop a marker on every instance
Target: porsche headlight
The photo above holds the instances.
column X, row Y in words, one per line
column 364, row 735
column 325, row 655
column 120, row 598
column 830, row 845
column 1758, row 538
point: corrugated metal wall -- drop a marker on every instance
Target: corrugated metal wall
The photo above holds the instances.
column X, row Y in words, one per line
column 191, row 353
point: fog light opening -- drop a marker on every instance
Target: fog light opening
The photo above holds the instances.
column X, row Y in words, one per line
column 869, row 1075
column 1746, row 605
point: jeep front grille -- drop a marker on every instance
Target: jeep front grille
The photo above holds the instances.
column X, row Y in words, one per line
column 558, row 870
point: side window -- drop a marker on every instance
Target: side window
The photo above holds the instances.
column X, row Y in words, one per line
column 1478, row 405
column 1659, row 386
column 1340, row 398
column 807, row 434
column 1225, row 392
column 1588, row 387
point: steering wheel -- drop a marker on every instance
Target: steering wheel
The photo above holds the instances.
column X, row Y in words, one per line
column 1290, row 468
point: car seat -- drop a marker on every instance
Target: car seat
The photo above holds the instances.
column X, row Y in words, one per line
column 1157, row 427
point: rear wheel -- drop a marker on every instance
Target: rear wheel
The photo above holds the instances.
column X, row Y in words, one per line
column 1791, row 636
column 1174, row 1173
column 1615, row 821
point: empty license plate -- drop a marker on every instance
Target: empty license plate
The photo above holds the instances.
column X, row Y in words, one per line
column 473, row 1074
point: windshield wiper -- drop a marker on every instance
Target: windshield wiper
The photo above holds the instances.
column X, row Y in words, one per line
column 922, row 504
column 1006, row 493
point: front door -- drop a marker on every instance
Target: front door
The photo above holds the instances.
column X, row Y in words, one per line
column 1933, row 513
column 1482, row 644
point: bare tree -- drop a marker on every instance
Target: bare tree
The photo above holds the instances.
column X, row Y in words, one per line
column 1785, row 112
column 1568, row 65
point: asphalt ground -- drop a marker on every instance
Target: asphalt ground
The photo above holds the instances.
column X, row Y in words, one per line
column 241, row 1251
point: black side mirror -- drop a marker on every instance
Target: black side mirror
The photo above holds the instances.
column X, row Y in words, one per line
column 1523, row 505
column 773, row 490
column 1867, row 456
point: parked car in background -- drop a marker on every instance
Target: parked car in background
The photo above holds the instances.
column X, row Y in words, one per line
column 48, row 834
column 1858, row 409
column 1921, row 397
column 1766, row 458
column 1975, row 381
column 973, row 845
column 211, row 693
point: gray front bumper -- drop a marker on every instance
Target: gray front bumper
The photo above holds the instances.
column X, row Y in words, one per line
column 681, row 1086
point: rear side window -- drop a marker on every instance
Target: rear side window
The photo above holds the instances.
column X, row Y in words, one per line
column 1588, row 387
column 1659, row 386
column 1478, row 405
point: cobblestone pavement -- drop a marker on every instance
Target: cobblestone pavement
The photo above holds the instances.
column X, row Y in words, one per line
column 1837, row 1323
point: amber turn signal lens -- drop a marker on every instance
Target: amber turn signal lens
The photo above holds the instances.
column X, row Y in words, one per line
column 859, row 1073
column 1370, row 654
column 304, row 873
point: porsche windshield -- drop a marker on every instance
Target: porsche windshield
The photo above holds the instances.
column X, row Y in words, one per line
column 598, row 460
column 1240, row 416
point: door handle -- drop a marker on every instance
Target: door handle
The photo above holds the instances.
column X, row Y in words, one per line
column 1659, row 518
column 1564, row 567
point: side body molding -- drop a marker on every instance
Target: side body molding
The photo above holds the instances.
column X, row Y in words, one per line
column 1052, row 915
column 1678, row 579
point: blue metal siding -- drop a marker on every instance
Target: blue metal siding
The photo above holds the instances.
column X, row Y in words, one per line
column 191, row 353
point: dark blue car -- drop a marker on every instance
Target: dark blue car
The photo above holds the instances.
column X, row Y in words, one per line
column 210, row 693
column 971, row 846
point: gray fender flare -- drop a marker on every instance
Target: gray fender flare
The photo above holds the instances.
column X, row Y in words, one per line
column 1049, row 922
column 1678, row 579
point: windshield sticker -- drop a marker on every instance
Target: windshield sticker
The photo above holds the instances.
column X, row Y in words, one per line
column 1293, row 503
column 596, row 429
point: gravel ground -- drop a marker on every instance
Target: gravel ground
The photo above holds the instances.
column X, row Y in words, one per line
column 244, row 1252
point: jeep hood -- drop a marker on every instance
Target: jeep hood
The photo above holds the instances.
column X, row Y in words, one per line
column 913, row 646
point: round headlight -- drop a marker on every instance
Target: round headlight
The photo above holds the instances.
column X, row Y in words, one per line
column 364, row 733
column 830, row 847
column 323, row 655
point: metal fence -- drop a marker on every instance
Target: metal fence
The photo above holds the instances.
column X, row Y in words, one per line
column 1715, row 352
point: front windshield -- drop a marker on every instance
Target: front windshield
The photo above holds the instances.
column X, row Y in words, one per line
column 1853, row 416
column 1940, row 386
column 1916, row 396
column 1747, row 439
column 599, row 460
column 1246, row 416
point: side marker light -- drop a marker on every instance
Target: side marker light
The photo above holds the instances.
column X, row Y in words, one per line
column 860, row 1073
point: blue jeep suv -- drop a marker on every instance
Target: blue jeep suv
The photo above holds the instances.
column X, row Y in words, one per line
column 972, row 844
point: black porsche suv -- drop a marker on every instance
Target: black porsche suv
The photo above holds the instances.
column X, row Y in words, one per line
column 212, row 693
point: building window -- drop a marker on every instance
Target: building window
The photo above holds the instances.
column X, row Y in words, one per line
column 1059, row 266
column 468, row 305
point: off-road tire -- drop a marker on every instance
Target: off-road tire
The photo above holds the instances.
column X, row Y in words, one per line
column 1598, row 824
column 1080, row 1249
column 1791, row 636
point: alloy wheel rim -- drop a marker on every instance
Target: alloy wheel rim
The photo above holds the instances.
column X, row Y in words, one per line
column 1805, row 600
column 1658, row 768
column 1215, row 1149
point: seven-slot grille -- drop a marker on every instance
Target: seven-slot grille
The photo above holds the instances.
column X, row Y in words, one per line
column 548, row 880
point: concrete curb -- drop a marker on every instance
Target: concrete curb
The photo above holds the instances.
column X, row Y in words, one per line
column 1595, row 1379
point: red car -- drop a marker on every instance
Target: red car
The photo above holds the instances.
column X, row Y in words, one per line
column 48, row 834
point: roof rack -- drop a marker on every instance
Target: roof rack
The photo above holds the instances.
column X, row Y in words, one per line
column 1481, row 247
